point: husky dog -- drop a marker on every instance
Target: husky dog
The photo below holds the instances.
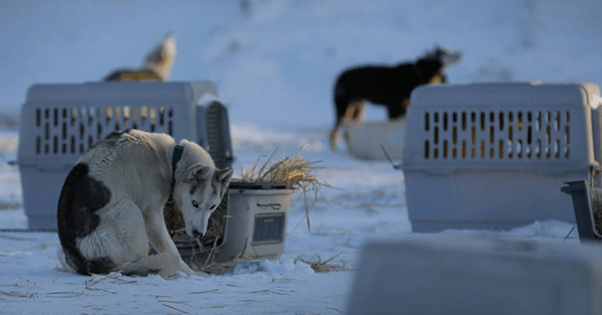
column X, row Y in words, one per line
column 388, row 86
column 110, row 211
column 157, row 65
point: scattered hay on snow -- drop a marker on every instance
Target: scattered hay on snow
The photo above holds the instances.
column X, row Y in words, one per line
column 326, row 266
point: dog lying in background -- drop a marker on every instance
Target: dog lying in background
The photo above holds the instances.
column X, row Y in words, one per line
column 110, row 210
column 388, row 86
column 157, row 65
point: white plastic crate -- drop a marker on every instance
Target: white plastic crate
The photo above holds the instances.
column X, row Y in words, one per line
column 255, row 226
column 60, row 122
column 495, row 155
column 256, row 223
column 367, row 138
column 460, row 275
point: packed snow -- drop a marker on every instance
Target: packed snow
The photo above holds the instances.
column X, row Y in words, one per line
column 274, row 63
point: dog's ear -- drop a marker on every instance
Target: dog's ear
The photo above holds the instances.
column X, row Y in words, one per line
column 184, row 142
column 196, row 172
column 224, row 175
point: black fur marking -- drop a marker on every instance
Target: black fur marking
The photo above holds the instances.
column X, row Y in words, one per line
column 117, row 134
column 214, row 183
column 199, row 180
column 152, row 251
column 101, row 265
column 194, row 187
column 141, row 273
column 81, row 196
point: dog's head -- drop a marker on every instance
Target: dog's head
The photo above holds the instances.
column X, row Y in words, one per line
column 162, row 58
column 445, row 56
column 199, row 188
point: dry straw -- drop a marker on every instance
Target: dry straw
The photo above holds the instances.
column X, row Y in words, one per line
column 326, row 266
column 295, row 171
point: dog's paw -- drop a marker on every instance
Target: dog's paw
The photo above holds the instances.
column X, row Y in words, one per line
column 185, row 268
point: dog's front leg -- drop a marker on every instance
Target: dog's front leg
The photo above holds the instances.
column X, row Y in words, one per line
column 159, row 237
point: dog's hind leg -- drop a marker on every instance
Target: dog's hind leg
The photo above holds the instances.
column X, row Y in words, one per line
column 334, row 134
column 397, row 110
column 123, row 237
column 120, row 236
column 353, row 112
column 133, row 243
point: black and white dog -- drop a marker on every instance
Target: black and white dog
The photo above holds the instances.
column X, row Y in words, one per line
column 388, row 86
column 110, row 211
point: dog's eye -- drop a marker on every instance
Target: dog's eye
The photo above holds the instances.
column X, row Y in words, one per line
column 195, row 204
column 213, row 207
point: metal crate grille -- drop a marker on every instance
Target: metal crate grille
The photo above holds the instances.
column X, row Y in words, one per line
column 218, row 143
column 73, row 130
column 497, row 135
column 268, row 228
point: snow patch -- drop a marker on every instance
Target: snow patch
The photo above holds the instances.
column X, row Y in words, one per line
column 271, row 267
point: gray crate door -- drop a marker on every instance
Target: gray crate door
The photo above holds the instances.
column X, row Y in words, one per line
column 497, row 135
column 218, row 135
column 74, row 130
column 269, row 228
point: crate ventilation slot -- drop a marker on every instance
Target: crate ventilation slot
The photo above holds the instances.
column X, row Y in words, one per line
column 497, row 135
column 269, row 228
column 73, row 130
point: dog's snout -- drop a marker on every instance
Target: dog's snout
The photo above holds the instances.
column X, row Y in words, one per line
column 196, row 234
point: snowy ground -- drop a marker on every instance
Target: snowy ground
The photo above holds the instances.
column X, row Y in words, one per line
column 274, row 64
column 367, row 203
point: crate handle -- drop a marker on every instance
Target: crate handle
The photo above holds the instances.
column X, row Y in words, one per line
column 274, row 206
column 395, row 166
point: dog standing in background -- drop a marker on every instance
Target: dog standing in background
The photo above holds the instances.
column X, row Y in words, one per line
column 157, row 64
column 388, row 86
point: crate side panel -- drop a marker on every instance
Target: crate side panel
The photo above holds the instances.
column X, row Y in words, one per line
column 41, row 190
column 476, row 277
column 485, row 199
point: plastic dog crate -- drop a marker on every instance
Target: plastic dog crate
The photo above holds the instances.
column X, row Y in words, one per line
column 60, row 122
column 494, row 155
column 255, row 227
column 256, row 222
column 460, row 275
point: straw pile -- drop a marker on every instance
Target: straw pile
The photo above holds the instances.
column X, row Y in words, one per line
column 175, row 222
column 294, row 171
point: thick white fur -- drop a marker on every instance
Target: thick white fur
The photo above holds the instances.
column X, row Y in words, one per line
column 137, row 170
